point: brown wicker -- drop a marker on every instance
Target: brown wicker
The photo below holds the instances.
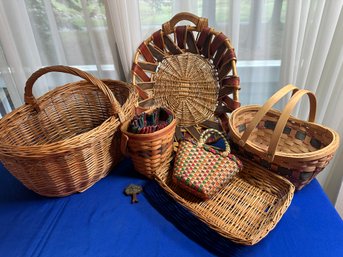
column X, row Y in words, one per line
column 245, row 210
column 190, row 70
column 148, row 151
column 66, row 140
column 293, row 148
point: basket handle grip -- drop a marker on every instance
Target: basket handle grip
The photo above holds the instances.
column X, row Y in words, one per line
column 281, row 124
column 123, row 144
column 30, row 99
column 199, row 22
column 208, row 132
column 267, row 107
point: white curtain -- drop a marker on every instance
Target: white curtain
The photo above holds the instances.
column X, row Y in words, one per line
column 125, row 30
column 276, row 42
column 19, row 47
column 36, row 33
column 313, row 59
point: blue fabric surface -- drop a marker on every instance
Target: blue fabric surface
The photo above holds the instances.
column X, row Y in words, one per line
column 103, row 222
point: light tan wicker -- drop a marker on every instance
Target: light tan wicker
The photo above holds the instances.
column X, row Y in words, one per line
column 293, row 148
column 190, row 70
column 245, row 210
column 148, row 151
column 66, row 140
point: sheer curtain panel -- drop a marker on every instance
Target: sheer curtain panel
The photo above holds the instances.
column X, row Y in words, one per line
column 36, row 33
column 312, row 58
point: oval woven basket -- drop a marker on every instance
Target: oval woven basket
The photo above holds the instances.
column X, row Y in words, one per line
column 192, row 71
column 293, row 148
column 68, row 139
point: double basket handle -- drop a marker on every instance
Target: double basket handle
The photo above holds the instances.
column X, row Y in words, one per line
column 199, row 22
column 282, row 121
column 30, row 99
column 209, row 132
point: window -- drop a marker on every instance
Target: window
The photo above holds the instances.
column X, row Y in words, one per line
column 75, row 33
column 62, row 30
column 6, row 104
column 260, row 25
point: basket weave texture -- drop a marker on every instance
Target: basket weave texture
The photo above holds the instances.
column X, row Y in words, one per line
column 148, row 151
column 245, row 210
column 293, row 148
column 66, row 140
column 201, row 169
column 184, row 77
column 190, row 69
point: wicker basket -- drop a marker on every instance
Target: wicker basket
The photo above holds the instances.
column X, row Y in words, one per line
column 245, row 210
column 148, row 151
column 293, row 148
column 66, row 140
column 190, row 70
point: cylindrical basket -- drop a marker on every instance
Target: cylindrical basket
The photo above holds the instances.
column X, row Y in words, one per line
column 66, row 140
column 148, row 151
column 293, row 148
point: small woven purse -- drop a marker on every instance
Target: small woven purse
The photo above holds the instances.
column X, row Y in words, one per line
column 203, row 170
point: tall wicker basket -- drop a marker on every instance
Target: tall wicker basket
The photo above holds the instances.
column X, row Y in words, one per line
column 293, row 148
column 66, row 140
column 148, row 151
column 191, row 70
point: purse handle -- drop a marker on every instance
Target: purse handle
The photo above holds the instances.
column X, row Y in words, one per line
column 296, row 96
column 209, row 132
column 30, row 99
column 199, row 22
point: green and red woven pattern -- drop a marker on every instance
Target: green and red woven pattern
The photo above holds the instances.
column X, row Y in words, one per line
column 203, row 170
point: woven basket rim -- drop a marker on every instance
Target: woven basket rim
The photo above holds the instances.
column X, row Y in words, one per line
column 330, row 148
column 74, row 142
column 125, row 124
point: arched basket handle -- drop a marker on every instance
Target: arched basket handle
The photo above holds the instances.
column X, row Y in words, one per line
column 199, row 22
column 285, row 115
column 30, row 99
column 296, row 96
column 208, row 133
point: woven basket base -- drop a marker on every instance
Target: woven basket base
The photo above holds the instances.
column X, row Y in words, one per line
column 243, row 211
column 187, row 85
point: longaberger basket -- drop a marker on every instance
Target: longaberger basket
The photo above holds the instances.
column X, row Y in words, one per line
column 148, row 151
column 66, row 140
column 191, row 70
column 293, row 148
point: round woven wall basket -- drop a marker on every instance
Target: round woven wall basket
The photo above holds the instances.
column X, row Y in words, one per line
column 190, row 69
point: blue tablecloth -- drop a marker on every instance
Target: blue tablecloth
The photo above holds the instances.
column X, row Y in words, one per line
column 103, row 222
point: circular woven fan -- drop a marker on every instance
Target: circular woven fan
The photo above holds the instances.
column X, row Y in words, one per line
column 187, row 84
column 190, row 70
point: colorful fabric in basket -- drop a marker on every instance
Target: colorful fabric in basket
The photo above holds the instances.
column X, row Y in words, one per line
column 201, row 169
column 145, row 123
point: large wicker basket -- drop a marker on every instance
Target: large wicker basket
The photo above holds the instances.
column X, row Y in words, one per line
column 190, row 70
column 66, row 140
column 293, row 148
column 245, row 210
